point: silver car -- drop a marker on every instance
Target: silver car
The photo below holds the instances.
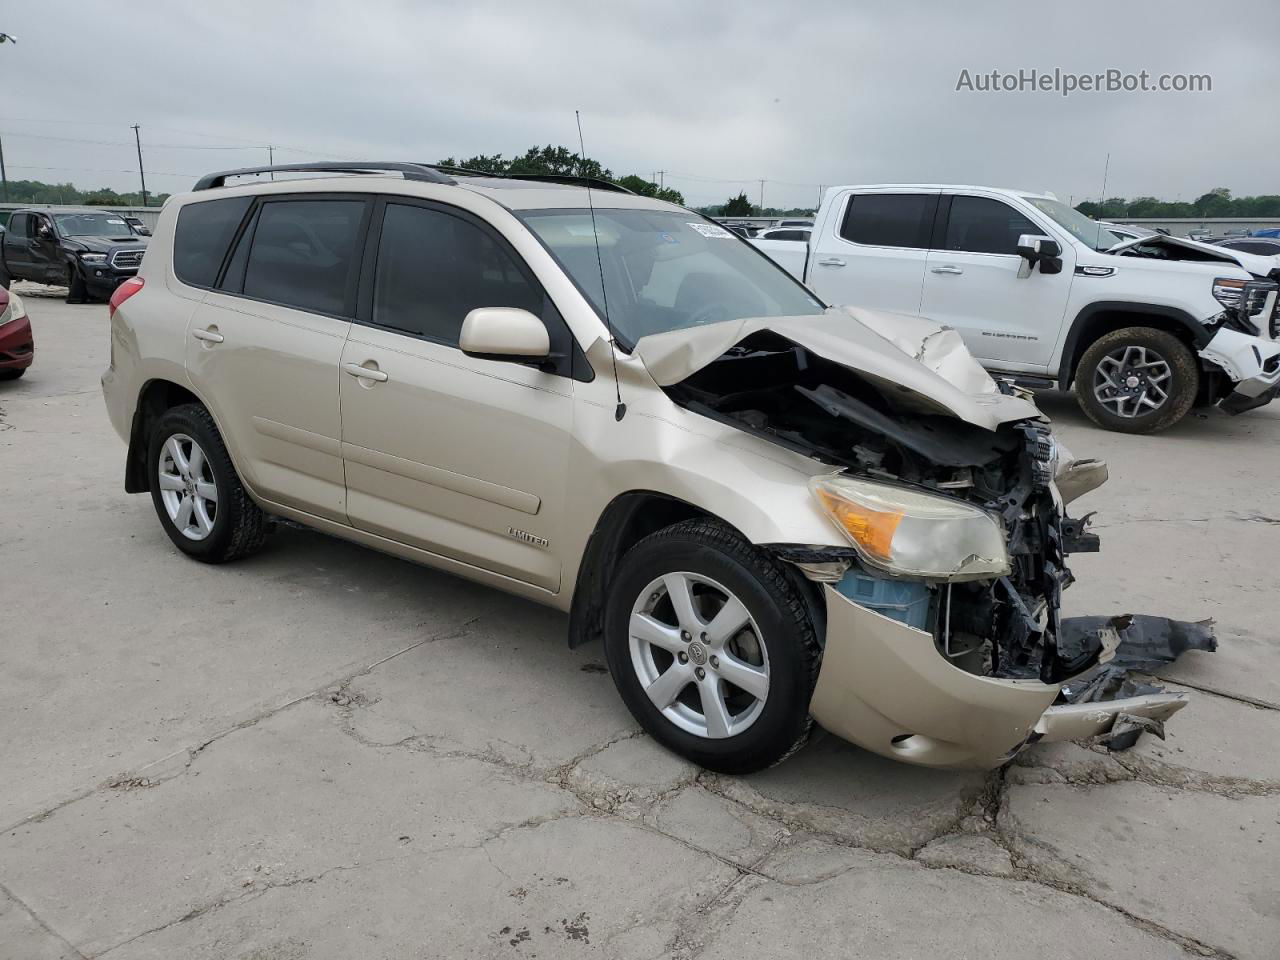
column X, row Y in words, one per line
column 771, row 511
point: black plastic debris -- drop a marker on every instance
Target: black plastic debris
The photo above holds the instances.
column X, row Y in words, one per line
column 1142, row 644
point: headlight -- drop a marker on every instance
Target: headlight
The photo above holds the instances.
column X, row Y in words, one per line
column 1227, row 290
column 93, row 257
column 15, row 310
column 914, row 534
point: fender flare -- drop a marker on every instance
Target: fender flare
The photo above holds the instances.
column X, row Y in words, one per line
column 1200, row 334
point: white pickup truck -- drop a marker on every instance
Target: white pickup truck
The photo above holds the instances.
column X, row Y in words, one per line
column 1144, row 329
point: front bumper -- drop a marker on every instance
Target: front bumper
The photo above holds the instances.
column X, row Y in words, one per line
column 884, row 686
column 1252, row 364
column 17, row 345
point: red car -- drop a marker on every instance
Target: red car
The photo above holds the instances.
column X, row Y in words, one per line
column 17, row 345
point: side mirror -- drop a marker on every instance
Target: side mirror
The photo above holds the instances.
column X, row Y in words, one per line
column 504, row 333
column 1042, row 250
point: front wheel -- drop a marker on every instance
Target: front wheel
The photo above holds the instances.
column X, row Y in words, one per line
column 713, row 647
column 77, row 291
column 1137, row 380
column 200, row 500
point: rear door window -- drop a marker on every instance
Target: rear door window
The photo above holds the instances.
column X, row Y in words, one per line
column 304, row 254
column 201, row 238
column 890, row 219
column 983, row 225
column 18, row 226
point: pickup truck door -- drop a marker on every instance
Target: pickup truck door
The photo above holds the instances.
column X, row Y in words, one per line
column 869, row 248
column 972, row 283
column 42, row 249
column 17, row 258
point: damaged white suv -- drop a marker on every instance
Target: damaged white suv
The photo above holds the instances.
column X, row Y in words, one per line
column 770, row 511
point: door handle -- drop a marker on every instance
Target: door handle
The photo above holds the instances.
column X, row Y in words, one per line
column 209, row 336
column 831, row 262
column 946, row 268
column 365, row 373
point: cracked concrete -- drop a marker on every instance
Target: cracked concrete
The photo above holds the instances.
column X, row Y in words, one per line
column 326, row 753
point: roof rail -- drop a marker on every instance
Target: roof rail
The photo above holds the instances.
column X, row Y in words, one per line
column 411, row 171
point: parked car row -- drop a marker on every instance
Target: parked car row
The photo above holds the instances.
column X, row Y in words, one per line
column 1144, row 326
column 770, row 510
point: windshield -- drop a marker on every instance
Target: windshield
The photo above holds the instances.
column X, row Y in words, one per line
column 666, row 270
column 1089, row 232
column 92, row 225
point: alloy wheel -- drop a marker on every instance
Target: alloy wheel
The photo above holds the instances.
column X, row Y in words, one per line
column 1133, row 381
column 699, row 655
column 187, row 487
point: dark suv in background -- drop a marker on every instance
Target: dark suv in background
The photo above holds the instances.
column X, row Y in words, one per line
column 91, row 251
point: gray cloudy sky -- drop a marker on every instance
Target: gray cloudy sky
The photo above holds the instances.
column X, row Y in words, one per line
column 800, row 94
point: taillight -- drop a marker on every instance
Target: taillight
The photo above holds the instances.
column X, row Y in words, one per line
column 123, row 293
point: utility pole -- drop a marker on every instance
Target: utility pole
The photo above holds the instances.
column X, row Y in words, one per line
column 137, row 139
column 762, row 198
column 271, row 159
column 662, row 181
column 4, row 177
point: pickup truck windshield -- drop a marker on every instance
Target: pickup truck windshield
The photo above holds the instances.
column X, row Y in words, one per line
column 666, row 270
column 92, row 225
column 1088, row 232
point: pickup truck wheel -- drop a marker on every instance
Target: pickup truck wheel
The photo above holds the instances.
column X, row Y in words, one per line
column 4, row 278
column 77, row 292
column 201, row 503
column 712, row 647
column 1137, row 380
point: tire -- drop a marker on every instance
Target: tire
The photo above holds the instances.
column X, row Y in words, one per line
column 4, row 278
column 1131, row 368
column 12, row 374
column 779, row 641
column 237, row 526
column 77, row 291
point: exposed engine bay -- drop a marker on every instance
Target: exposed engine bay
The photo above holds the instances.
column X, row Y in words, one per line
column 1009, row 627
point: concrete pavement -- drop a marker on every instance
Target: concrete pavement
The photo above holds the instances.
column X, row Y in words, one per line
column 322, row 752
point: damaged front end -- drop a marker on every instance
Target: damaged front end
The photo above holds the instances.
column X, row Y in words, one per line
column 945, row 642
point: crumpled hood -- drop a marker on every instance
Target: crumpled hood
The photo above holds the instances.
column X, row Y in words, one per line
column 896, row 349
column 1255, row 263
column 106, row 244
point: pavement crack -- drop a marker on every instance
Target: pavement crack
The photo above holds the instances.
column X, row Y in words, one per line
column 39, row 921
column 179, row 761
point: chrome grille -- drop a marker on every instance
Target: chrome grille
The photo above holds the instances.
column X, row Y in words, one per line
column 127, row 259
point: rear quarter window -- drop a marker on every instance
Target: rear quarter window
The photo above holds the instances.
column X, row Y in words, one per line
column 201, row 238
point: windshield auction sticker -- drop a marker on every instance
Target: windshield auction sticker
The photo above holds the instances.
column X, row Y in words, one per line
column 712, row 231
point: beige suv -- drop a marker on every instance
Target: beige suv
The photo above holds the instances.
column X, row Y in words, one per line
column 769, row 510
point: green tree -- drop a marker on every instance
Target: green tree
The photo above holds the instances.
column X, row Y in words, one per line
column 562, row 162
column 738, row 206
column 1215, row 203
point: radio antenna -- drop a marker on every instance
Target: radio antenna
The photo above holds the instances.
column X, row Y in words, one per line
column 621, row 410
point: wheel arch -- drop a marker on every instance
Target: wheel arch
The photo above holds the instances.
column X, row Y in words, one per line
column 628, row 519
column 1105, row 316
column 156, row 397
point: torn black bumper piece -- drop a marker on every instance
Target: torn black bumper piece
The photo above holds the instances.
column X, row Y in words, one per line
column 1139, row 644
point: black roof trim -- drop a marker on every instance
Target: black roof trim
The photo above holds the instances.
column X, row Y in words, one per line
column 411, row 171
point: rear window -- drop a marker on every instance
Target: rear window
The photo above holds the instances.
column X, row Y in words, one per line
column 890, row 219
column 201, row 238
column 303, row 254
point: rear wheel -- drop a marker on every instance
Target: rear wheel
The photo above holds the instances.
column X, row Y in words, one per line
column 12, row 374
column 712, row 647
column 1137, row 380
column 4, row 278
column 200, row 500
